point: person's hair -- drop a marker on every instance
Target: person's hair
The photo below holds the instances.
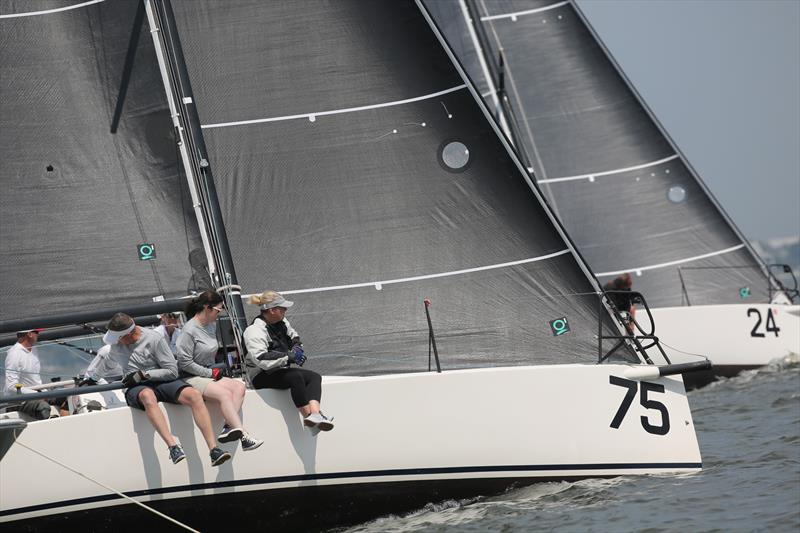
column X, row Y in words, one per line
column 21, row 334
column 201, row 301
column 623, row 282
column 263, row 298
column 120, row 322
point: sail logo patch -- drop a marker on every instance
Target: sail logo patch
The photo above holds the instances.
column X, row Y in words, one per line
column 744, row 293
column 147, row 251
column 559, row 326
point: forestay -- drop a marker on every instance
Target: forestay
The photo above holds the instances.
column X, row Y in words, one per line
column 358, row 175
column 623, row 191
column 78, row 200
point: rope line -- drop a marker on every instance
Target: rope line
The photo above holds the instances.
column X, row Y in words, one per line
column 118, row 493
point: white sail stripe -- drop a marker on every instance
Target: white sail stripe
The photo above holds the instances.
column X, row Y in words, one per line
column 48, row 11
column 671, row 263
column 426, row 276
column 334, row 111
column 526, row 12
column 608, row 172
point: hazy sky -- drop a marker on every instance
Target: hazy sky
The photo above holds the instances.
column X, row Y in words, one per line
column 723, row 78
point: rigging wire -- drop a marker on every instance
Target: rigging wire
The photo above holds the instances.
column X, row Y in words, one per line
column 115, row 491
column 681, row 351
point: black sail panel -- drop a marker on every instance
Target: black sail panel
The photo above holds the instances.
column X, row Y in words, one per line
column 360, row 189
column 628, row 200
column 78, row 200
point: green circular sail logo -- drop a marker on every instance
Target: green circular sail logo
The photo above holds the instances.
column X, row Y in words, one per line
column 744, row 293
column 147, row 251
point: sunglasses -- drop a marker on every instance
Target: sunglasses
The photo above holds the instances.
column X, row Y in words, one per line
column 218, row 309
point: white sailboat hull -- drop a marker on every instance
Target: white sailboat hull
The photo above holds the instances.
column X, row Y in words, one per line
column 400, row 441
column 735, row 337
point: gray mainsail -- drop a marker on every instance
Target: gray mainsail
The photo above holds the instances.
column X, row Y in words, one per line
column 622, row 189
column 77, row 200
column 358, row 175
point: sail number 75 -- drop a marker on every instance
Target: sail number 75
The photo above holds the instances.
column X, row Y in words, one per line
column 647, row 403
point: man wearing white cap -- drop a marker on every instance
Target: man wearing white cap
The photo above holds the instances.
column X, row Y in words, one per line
column 152, row 377
column 22, row 368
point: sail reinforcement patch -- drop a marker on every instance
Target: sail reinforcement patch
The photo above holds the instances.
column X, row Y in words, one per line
column 454, row 156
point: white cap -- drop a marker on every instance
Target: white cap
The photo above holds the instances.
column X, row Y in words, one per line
column 112, row 337
column 274, row 299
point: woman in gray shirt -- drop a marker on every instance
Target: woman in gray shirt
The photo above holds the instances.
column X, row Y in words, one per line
column 197, row 349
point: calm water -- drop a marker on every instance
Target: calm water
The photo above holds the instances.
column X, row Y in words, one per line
column 749, row 432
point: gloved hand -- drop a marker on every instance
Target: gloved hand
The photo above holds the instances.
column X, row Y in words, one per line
column 297, row 355
column 217, row 373
column 87, row 382
column 134, row 378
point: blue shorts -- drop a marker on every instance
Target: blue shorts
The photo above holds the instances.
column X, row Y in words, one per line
column 165, row 391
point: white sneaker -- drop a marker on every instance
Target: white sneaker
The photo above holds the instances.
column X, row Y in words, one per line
column 326, row 424
column 319, row 421
column 312, row 420
column 250, row 443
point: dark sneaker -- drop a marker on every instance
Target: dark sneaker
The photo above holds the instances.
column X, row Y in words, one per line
column 218, row 456
column 250, row 443
column 176, row 454
column 229, row 434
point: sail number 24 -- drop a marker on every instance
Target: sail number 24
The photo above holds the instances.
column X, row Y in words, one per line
column 769, row 325
column 647, row 403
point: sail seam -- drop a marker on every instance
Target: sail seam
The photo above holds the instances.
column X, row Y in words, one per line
column 639, row 270
column 607, row 172
column 378, row 284
column 313, row 116
column 49, row 11
column 522, row 13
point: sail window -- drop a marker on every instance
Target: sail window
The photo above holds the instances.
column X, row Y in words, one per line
column 454, row 156
column 676, row 194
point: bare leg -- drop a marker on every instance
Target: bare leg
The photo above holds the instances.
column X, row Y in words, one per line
column 220, row 393
column 156, row 417
column 238, row 388
column 191, row 397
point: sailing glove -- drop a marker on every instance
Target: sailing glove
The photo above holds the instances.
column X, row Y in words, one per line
column 87, row 382
column 297, row 355
column 134, row 378
column 217, row 373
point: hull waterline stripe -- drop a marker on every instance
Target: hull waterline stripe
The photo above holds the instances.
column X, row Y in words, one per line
column 671, row 263
column 607, row 172
column 522, row 13
column 364, row 474
column 378, row 284
column 48, row 11
column 313, row 116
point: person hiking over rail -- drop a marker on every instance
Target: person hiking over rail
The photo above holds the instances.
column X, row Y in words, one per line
column 272, row 346
column 197, row 349
column 152, row 377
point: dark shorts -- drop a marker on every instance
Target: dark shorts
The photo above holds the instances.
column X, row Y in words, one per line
column 165, row 391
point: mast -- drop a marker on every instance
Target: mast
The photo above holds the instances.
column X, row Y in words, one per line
column 195, row 156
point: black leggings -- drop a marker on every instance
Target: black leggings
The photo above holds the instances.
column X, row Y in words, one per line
column 306, row 385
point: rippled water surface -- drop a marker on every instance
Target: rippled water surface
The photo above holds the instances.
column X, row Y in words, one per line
column 749, row 432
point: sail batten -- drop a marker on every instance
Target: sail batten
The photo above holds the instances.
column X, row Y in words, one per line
column 312, row 116
column 50, row 11
column 609, row 172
